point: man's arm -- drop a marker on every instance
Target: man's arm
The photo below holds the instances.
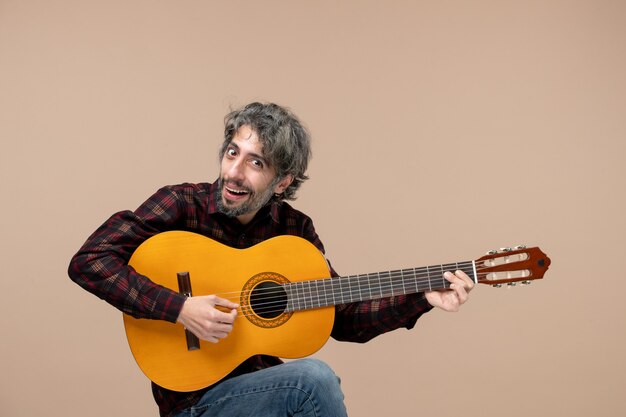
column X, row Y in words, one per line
column 362, row 321
column 101, row 265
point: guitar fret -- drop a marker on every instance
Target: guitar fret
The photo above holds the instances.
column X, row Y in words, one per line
column 447, row 267
column 413, row 282
column 380, row 288
column 406, row 282
column 287, row 288
column 302, row 297
column 403, row 283
column 355, row 290
column 443, row 283
column 291, row 302
column 398, row 282
column 307, row 288
column 350, row 294
column 388, row 291
column 341, row 291
column 325, row 294
column 311, row 297
column 314, row 295
column 317, row 292
column 359, row 287
column 417, row 287
column 301, row 301
column 311, row 305
column 321, row 301
column 296, row 300
column 319, row 284
column 390, row 283
column 382, row 292
column 316, row 302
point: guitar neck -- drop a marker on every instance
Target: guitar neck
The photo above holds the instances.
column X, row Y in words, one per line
column 306, row 295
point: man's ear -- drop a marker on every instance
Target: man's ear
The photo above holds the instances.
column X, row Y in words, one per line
column 283, row 184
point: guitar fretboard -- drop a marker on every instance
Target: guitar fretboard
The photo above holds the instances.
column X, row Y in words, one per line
column 306, row 295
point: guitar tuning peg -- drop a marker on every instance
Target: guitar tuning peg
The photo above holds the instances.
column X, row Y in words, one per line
column 492, row 252
column 506, row 249
column 511, row 284
column 518, row 247
column 497, row 285
column 526, row 282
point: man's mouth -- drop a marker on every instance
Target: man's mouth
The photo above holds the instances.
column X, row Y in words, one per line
column 237, row 192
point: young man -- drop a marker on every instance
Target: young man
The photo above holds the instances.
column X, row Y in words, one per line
column 264, row 158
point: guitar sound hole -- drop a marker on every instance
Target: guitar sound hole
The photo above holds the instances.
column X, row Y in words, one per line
column 268, row 300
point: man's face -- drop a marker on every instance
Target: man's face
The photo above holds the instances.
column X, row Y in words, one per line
column 247, row 180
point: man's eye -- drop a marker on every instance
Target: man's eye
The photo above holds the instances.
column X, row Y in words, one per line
column 231, row 152
column 257, row 163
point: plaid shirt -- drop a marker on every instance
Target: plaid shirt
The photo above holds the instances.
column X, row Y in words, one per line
column 100, row 267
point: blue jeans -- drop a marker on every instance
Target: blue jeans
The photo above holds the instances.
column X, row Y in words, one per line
column 302, row 388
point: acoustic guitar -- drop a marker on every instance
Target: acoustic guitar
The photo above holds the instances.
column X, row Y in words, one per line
column 286, row 298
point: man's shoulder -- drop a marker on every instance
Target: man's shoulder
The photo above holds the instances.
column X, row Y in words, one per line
column 200, row 187
column 187, row 193
column 189, row 190
column 287, row 211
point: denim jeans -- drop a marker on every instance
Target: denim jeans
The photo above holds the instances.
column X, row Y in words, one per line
column 302, row 388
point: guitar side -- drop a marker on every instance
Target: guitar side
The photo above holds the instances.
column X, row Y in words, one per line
column 160, row 348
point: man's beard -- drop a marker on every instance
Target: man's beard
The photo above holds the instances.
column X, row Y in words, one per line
column 253, row 203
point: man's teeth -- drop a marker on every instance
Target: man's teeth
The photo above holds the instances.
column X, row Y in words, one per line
column 239, row 192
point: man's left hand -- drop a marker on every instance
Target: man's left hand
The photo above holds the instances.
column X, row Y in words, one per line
column 452, row 298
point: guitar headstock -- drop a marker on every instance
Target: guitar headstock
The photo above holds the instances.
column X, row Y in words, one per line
column 511, row 266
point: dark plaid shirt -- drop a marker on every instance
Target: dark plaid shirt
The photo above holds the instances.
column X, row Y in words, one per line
column 101, row 267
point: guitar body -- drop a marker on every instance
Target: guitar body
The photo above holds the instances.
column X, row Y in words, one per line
column 160, row 347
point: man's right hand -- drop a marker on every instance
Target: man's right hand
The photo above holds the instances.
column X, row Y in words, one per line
column 200, row 316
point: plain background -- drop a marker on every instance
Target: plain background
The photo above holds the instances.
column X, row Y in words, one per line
column 442, row 129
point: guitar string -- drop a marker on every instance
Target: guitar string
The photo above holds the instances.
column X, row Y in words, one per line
column 275, row 308
column 276, row 296
column 272, row 302
column 277, row 304
column 422, row 276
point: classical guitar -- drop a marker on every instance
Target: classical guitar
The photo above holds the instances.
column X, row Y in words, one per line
column 286, row 299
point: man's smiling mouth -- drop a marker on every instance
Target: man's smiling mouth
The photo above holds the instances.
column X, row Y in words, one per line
column 237, row 192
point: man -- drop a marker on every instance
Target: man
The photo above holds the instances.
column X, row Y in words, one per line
column 264, row 158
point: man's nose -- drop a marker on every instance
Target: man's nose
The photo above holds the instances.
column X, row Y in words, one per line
column 235, row 170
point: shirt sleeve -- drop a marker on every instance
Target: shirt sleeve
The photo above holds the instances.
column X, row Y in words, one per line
column 364, row 320
column 101, row 265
